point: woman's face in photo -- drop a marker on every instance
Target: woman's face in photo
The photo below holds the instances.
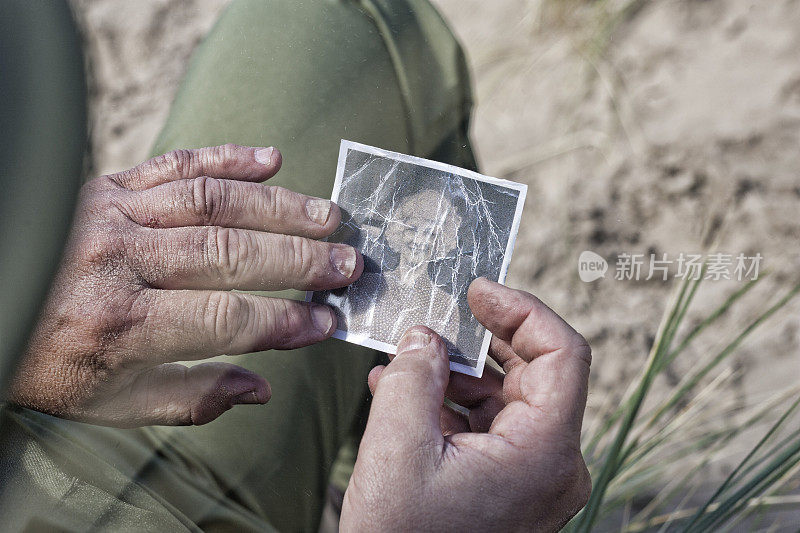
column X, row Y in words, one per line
column 425, row 229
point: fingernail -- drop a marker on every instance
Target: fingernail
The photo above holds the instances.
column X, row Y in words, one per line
column 344, row 259
column 413, row 340
column 318, row 210
column 264, row 155
column 249, row 397
column 322, row 317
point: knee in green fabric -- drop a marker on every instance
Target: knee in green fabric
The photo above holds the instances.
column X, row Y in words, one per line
column 303, row 75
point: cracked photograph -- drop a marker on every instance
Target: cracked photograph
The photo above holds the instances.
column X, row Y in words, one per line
column 426, row 231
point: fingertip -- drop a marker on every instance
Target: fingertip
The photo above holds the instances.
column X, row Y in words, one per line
column 324, row 214
column 410, row 392
column 245, row 387
column 420, row 338
column 421, row 341
column 481, row 283
column 359, row 268
column 277, row 159
column 480, row 287
column 348, row 262
column 259, row 394
column 499, row 308
column 335, row 219
column 263, row 391
column 323, row 318
column 213, row 388
column 269, row 158
column 373, row 378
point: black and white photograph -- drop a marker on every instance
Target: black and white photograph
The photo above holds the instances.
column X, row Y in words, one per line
column 426, row 231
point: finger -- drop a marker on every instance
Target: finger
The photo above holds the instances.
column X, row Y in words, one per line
column 450, row 420
column 482, row 396
column 553, row 390
column 190, row 325
column 504, row 311
column 373, row 377
column 408, row 397
column 513, row 366
column 174, row 394
column 502, row 352
column 212, row 257
column 553, row 386
column 453, row 422
column 208, row 201
column 228, row 161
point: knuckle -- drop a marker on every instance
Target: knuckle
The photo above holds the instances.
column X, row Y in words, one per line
column 120, row 179
column 273, row 201
column 177, row 162
column 103, row 251
column 100, row 200
column 300, row 256
column 281, row 201
column 229, row 150
column 208, row 198
column 97, row 186
column 226, row 251
column 402, row 369
column 229, row 374
column 295, row 318
column 105, row 205
column 107, row 328
column 224, row 156
column 103, row 256
column 227, row 316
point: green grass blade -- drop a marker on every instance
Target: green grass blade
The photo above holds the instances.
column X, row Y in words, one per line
column 611, row 465
column 732, row 476
column 693, row 380
column 715, row 315
column 710, row 319
column 782, row 463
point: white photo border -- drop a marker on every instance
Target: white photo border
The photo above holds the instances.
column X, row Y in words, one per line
column 368, row 342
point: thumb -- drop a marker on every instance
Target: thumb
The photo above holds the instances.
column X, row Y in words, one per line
column 173, row 394
column 408, row 395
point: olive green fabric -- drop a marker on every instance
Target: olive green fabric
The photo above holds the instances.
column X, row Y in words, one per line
column 302, row 75
column 299, row 75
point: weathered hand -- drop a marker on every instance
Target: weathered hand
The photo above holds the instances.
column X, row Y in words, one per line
column 514, row 464
column 145, row 281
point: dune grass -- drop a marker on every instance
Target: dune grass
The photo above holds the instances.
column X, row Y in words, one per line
column 671, row 443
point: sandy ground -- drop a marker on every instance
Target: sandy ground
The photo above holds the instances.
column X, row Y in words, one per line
column 634, row 129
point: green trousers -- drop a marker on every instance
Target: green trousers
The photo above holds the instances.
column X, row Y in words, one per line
column 298, row 75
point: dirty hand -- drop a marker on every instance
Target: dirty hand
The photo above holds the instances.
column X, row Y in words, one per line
column 513, row 464
column 145, row 281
